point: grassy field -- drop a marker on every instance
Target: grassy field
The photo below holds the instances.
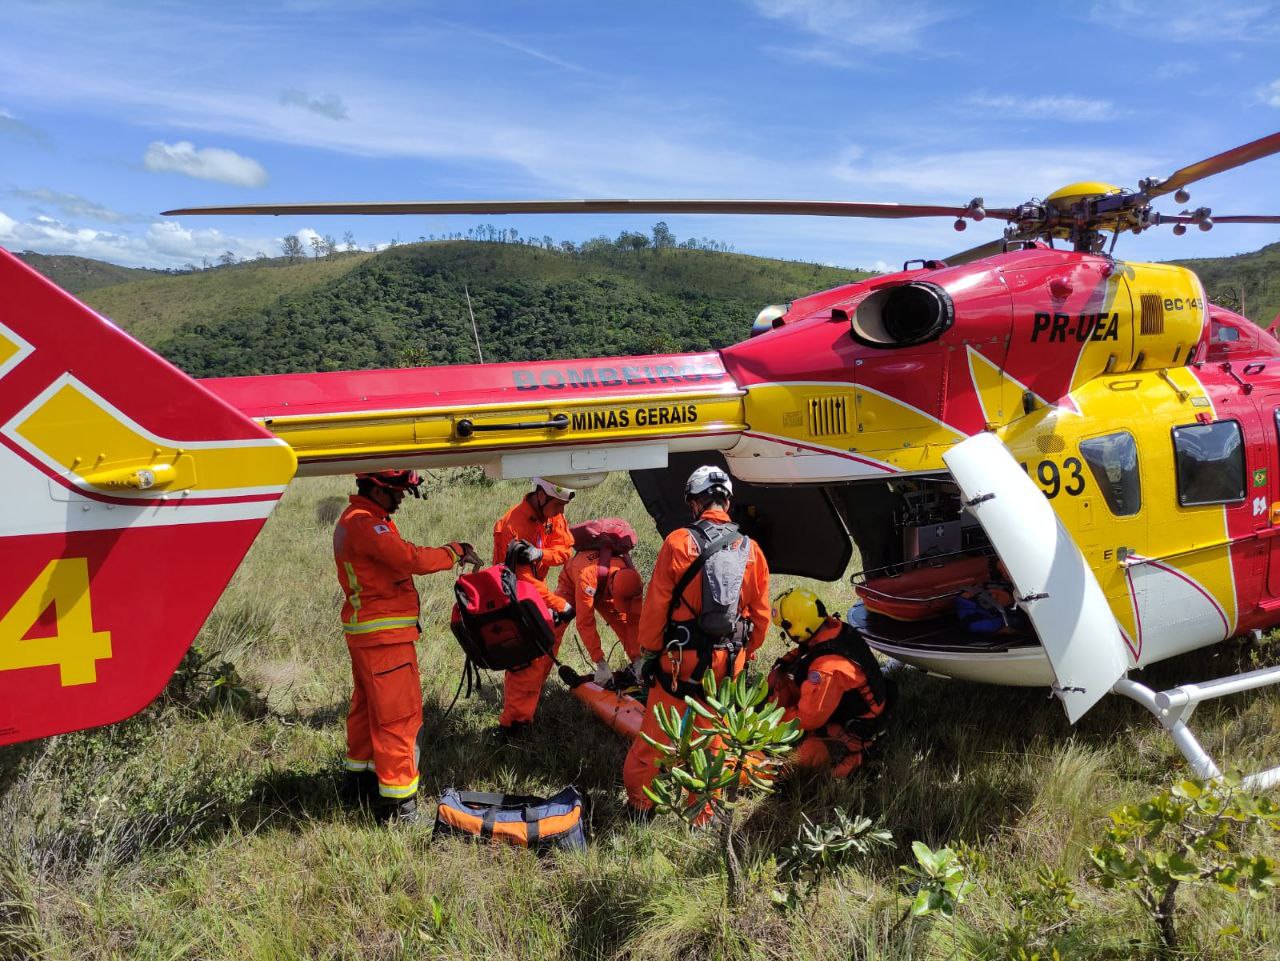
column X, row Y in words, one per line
column 218, row 833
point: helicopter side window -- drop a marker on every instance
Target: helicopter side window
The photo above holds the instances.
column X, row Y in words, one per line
column 1113, row 461
column 1210, row 463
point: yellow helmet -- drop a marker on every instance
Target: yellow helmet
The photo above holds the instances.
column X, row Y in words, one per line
column 800, row 613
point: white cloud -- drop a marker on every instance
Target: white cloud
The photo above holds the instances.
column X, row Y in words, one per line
column 164, row 244
column 1271, row 93
column 1062, row 108
column 207, row 163
column 864, row 24
column 13, row 127
column 519, row 47
column 1002, row 176
column 1190, row 21
column 73, row 205
column 330, row 105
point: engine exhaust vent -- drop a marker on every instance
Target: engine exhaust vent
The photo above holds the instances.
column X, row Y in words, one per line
column 828, row 416
column 1152, row 315
column 903, row 315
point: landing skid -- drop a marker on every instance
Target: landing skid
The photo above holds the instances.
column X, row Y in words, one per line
column 1174, row 707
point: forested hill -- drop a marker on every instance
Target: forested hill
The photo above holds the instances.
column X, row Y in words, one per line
column 407, row 307
column 78, row 275
column 1248, row 283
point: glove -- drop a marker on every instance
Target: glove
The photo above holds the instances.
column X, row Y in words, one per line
column 603, row 674
column 465, row 554
column 562, row 617
column 522, row 552
column 648, row 670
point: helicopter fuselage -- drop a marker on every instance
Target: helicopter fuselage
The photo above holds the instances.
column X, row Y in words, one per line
column 1095, row 373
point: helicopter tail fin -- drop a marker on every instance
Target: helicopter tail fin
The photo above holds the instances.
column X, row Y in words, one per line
column 130, row 495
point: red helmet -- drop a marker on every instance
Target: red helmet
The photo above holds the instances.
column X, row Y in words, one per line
column 406, row 481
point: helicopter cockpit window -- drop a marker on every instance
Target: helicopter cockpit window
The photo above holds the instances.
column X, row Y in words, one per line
column 1222, row 334
column 1210, row 463
column 1113, row 461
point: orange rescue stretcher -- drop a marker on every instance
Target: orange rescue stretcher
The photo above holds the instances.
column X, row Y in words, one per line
column 927, row 591
column 623, row 713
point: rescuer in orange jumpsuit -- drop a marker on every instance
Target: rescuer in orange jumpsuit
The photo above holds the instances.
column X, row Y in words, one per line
column 831, row 683
column 708, row 493
column 616, row 596
column 532, row 538
column 380, row 618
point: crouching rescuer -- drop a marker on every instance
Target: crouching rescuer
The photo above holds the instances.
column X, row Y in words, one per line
column 706, row 610
column 830, row 682
column 380, row 617
column 601, row 579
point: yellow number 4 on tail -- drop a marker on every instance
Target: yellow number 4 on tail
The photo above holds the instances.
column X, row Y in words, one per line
column 75, row 646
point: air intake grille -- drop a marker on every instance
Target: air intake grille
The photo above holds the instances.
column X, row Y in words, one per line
column 828, row 416
column 1152, row 315
column 1050, row 443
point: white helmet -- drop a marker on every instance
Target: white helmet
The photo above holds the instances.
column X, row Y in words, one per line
column 708, row 479
column 553, row 490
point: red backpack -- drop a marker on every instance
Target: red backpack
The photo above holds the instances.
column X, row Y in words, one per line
column 501, row 622
column 612, row 537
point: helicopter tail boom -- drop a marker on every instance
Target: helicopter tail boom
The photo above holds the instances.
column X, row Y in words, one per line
column 131, row 495
column 563, row 418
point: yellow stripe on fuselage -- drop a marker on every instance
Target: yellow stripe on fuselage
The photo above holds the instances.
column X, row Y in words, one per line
column 421, row 433
column 82, row 434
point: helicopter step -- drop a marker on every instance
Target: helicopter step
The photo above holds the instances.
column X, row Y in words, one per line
column 1173, row 709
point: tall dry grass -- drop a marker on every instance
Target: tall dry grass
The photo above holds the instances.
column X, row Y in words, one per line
column 219, row 834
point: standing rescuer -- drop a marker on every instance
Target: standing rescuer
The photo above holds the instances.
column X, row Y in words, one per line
column 831, row 683
column 706, row 610
column 532, row 538
column 380, row 617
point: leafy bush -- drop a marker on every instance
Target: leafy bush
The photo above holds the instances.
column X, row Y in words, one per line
column 819, row 850
column 705, row 766
column 1191, row 834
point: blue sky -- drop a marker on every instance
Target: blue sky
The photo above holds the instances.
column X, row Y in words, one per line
column 110, row 113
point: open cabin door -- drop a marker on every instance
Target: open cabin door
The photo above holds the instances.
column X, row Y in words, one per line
column 1054, row 583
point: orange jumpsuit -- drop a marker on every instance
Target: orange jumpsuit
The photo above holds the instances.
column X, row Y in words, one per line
column 677, row 553
column 620, row 608
column 818, row 696
column 522, row 689
column 380, row 619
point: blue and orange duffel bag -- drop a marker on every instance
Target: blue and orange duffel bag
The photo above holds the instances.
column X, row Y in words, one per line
column 539, row 824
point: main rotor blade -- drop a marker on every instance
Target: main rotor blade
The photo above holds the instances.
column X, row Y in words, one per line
column 815, row 208
column 1263, row 147
column 1228, row 219
column 1247, row 219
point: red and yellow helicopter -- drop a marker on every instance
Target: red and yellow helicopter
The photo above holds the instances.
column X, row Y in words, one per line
column 1084, row 443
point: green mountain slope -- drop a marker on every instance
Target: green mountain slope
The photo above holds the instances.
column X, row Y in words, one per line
column 155, row 306
column 78, row 275
column 407, row 306
column 1251, row 281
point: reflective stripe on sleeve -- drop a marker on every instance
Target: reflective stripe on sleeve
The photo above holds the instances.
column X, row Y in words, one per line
column 353, row 583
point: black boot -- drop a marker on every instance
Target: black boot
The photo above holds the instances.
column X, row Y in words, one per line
column 515, row 731
column 399, row 810
column 359, row 788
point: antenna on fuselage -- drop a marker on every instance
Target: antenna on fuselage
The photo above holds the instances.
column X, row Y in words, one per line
column 474, row 330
